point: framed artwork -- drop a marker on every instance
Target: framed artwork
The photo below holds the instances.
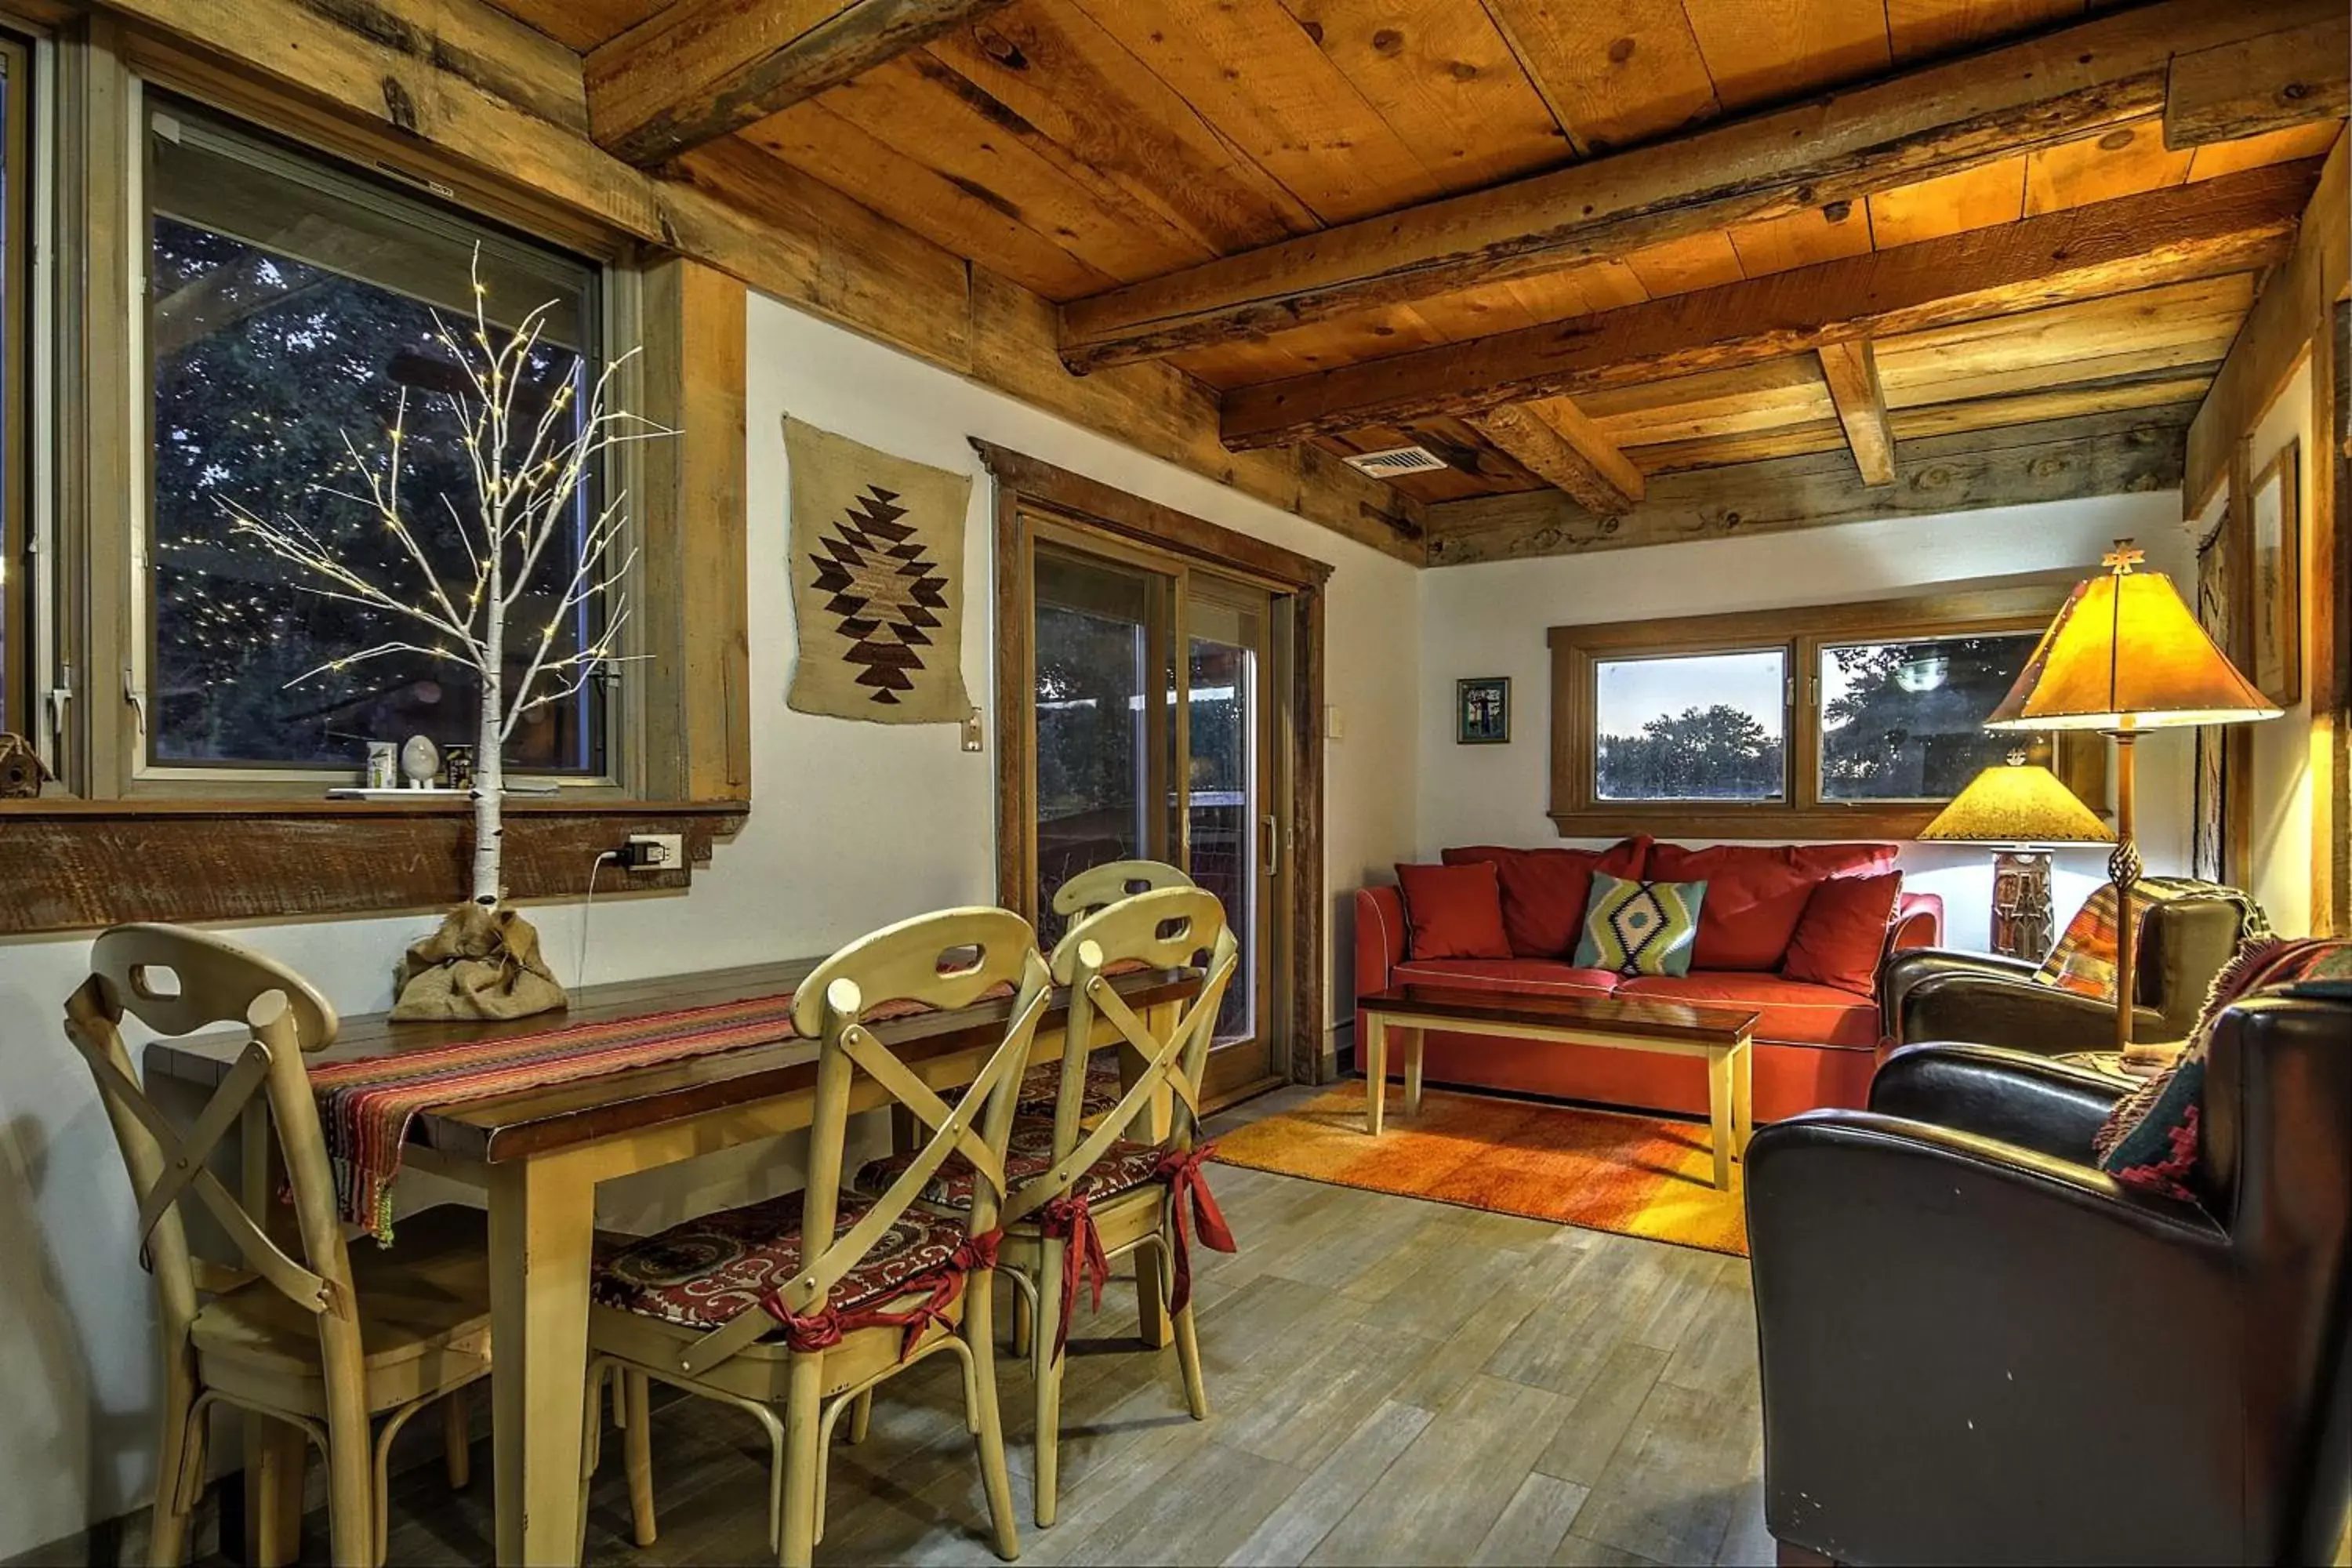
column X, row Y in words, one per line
column 2277, row 597
column 1482, row 710
column 2210, row 849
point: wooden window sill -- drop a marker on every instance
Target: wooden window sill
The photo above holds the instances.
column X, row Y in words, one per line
column 79, row 865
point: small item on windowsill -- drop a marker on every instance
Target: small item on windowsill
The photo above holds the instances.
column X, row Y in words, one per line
column 21, row 768
column 383, row 766
column 539, row 787
column 457, row 768
column 420, row 759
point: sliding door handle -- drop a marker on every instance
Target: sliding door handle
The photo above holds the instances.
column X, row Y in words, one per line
column 1273, row 844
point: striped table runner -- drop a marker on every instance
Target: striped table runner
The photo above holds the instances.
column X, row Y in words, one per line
column 365, row 1106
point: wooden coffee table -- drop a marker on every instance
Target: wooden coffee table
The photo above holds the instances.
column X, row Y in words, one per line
column 1720, row 1034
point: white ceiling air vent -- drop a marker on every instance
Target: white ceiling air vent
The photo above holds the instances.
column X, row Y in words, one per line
column 1396, row 460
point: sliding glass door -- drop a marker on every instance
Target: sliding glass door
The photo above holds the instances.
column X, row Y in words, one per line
column 1155, row 700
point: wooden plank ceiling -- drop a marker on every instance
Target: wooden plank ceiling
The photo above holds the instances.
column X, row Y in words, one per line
column 1079, row 146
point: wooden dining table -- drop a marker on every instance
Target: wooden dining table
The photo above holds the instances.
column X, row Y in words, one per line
column 540, row 1155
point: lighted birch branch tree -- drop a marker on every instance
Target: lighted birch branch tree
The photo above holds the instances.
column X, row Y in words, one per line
column 527, row 474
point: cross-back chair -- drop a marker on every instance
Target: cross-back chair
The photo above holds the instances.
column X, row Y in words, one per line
column 339, row 1351
column 735, row 1306
column 1084, row 1192
column 1092, row 889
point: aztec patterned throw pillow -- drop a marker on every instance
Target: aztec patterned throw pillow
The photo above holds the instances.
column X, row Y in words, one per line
column 1640, row 927
column 2150, row 1138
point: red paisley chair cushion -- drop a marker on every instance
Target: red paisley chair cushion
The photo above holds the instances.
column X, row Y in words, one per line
column 1123, row 1167
column 1041, row 1086
column 705, row 1272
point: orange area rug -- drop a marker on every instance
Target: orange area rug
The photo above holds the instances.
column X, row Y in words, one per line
column 1636, row 1175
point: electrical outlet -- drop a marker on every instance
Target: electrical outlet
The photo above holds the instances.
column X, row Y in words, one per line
column 655, row 852
column 971, row 735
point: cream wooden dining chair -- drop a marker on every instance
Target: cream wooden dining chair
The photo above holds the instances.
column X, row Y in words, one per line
column 1094, row 888
column 739, row 1306
column 342, row 1350
column 1085, row 1194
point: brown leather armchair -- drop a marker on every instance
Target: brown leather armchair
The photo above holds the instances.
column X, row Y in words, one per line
column 1979, row 1348
column 1938, row 993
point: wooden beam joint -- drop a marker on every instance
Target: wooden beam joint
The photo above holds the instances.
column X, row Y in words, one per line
column 1851, row 368
column 1557, row 443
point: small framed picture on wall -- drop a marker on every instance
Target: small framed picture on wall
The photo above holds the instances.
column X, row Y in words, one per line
column 1482, row 710
column 2277, row 598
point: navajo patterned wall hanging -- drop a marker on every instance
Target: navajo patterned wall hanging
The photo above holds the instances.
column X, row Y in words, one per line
column 877, row 583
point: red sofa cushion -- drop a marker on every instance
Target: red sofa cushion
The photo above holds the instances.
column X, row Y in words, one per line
column 1844, row 933
column 1795, row 1011
column 1756, row 893
column 1508, row 976
column 1544, row 891
column 1453, row 911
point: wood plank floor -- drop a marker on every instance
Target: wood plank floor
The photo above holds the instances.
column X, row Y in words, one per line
column 1392, row 1381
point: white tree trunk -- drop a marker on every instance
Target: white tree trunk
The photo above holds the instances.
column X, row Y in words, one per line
column 489, row 760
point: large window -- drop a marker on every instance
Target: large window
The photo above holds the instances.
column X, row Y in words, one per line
column 293, row 311
column 1839, row 720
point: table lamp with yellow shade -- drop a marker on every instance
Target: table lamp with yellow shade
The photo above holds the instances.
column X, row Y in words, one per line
column 2123, row 656
column 2022, row 807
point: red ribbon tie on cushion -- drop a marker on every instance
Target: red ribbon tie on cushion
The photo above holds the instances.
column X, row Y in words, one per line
column 1188, row 1193
column 1070, row 1218
column 942, row 1287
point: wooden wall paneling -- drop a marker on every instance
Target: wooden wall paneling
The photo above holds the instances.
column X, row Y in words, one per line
column 734, row 207
column 1443, row 80
column 2105, row 455
column 698, row 70
column 1057, row 73
column 941, row 207
column 1850, row 369
column 2277, row 329
column 79, row 865
column 1909, row 127
column 1292, row 109
column 1761, row 51
column 2281, row 80
column 1610, row 78
column 1985, row 275
column 695, row 553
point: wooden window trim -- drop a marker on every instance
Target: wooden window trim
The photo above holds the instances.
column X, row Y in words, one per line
column 98, row 853
column 2005, row 604
column 1029, row 489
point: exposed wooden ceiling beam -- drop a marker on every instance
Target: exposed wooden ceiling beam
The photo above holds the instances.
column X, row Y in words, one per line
column 2107, row 454
column 1559, row 445
column 1836, row 149
column 700, row 69
column 1851, row 368
column 2282, row 80
column 2227, row 225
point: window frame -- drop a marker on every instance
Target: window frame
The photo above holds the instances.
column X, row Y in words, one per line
column 23, row 703
column 620, row 717
column 2014, row 605
column 98, row 847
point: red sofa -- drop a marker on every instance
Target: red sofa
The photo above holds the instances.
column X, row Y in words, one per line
column 1815, row 1044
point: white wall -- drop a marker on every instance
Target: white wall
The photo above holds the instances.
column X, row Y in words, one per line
column 1491, row 619
column 2281, row 784
column 852, row 825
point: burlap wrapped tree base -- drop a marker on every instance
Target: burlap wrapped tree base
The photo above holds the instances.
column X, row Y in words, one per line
column 481, row 963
